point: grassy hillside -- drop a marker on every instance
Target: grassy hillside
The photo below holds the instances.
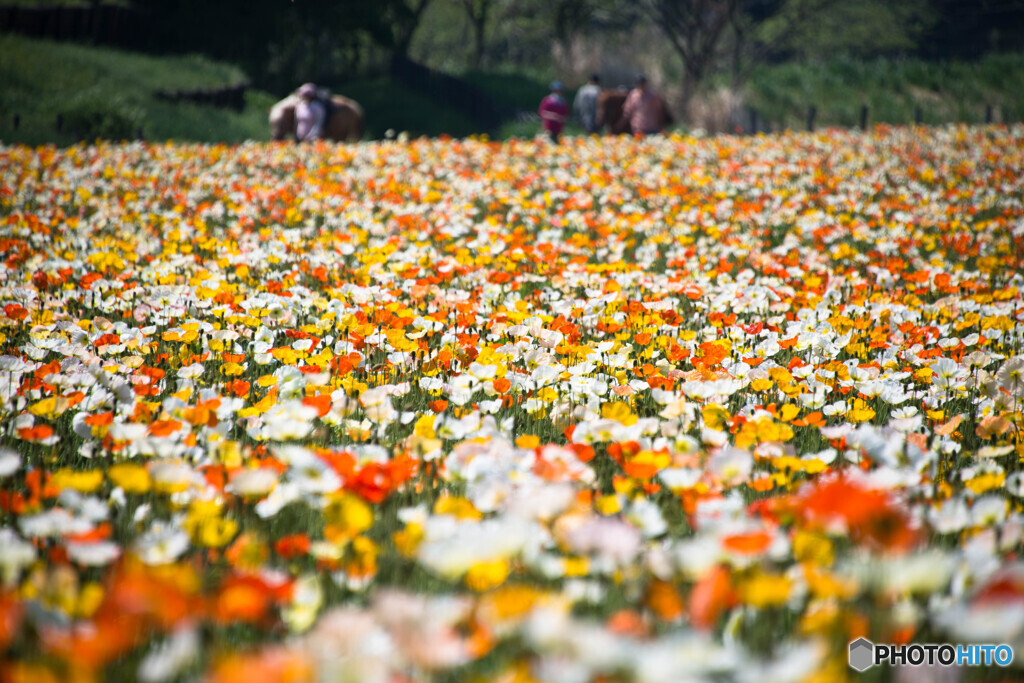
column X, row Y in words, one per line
column 892, row 88
column 110, row 93
column 101, row 92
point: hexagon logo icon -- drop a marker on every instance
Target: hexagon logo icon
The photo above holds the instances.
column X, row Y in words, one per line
column 862, row 654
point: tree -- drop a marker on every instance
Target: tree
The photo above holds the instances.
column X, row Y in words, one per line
column 477, row 11
column 967, row 29
column 702, row 30
column 860, row 29
column 573, row 18
column 393, row 23
column 695, row 29
column 522, row 31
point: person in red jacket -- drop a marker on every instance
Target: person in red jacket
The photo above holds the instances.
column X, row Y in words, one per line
column 554, row 111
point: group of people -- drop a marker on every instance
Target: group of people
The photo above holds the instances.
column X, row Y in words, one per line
column 641, row 112
column 308, row 112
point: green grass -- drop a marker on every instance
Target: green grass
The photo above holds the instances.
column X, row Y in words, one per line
column 102, row 92
column 892, row 88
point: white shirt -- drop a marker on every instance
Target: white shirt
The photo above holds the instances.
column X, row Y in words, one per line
column 585, row 105
column 309, row 119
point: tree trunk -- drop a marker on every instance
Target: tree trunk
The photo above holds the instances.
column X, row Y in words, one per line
column 479, row 37
column 694, row 72
column 94, row 14
column 405, row 30
column 477, row 12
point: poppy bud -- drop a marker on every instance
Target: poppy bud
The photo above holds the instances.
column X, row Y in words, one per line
column 41, row 281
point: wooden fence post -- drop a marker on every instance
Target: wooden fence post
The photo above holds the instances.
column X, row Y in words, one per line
column 60, row 122
column 17, row 120
column 753, row 121
column 917, row 114
column 812, row 111
column 988, row 113
column 864, row 117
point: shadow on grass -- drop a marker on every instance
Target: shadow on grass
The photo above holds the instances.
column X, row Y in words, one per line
column 390, row 106
column 510, row 92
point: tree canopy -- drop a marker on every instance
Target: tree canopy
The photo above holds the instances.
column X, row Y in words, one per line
column 279, row 42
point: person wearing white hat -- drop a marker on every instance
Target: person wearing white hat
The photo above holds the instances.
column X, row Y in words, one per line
column 310, row 114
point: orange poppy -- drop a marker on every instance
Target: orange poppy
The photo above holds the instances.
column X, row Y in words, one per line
column 244, row 598
column 665, row 601
column 276, row 664
column 321, row 403
column 36, row 433
column 164, row 427
column 752, row 543
column 713, row 595
column 869, row 515
column 99, row 419
column 238, row 387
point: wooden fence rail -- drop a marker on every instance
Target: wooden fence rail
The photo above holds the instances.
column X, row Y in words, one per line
column 756, row 123
column 232, row 97
column 103, row 23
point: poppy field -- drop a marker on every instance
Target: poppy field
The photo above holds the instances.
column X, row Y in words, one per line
column 618, row 409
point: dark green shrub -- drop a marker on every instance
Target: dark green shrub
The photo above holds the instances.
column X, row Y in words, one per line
column 92, row 114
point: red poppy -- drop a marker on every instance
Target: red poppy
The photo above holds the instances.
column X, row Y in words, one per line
column 15, row 312
column 11, row 612
column 371, row 483
column 293, row 545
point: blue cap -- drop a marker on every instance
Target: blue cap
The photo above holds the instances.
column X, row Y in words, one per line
column 557, row 85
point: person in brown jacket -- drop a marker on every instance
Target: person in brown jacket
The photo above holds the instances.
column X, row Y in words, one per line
column 609, row 111
column 645, row 110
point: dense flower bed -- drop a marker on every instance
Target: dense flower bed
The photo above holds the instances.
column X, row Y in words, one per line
column 647, row 410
